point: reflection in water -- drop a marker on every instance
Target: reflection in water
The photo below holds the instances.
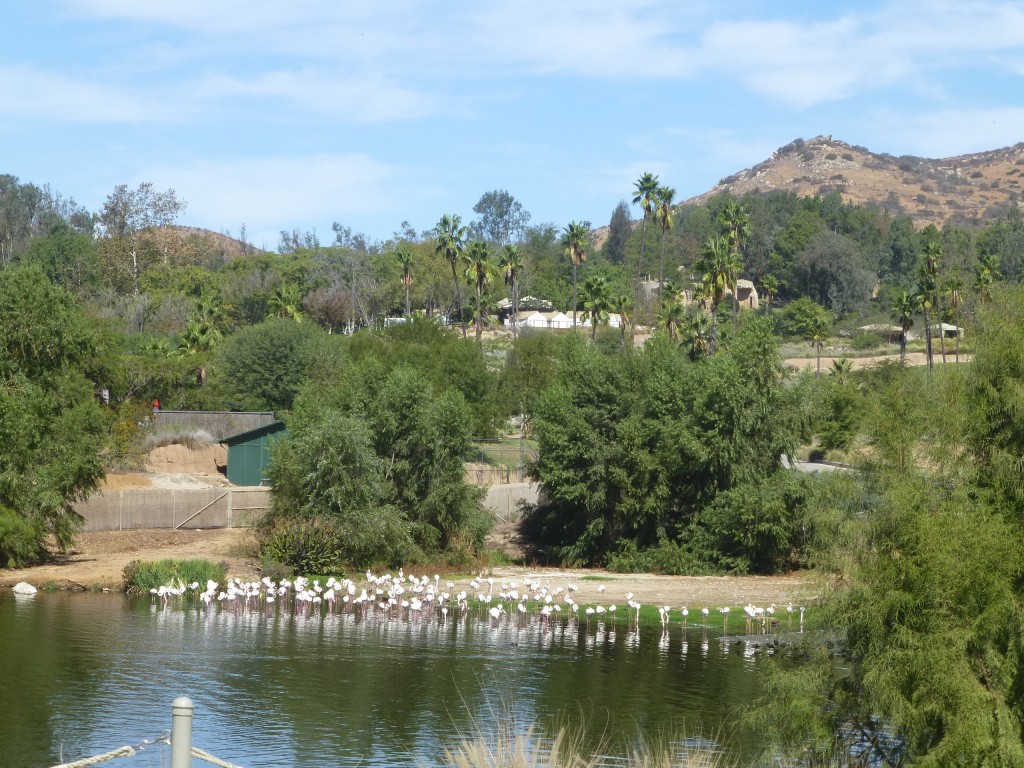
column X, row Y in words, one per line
column 95, row 672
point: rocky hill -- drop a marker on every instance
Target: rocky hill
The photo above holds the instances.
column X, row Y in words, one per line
column 973, row 189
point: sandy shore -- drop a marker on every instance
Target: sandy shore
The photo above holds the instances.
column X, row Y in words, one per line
column 98, row 560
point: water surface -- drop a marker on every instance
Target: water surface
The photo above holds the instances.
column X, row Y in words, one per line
column 83, row 674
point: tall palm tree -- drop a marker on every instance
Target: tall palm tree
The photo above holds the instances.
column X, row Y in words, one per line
column 714, row 269
column 478, row 273
column 769, row 287
column 673, row 317
column 404, row 256
column 663, row 215
column 574, row 239
column 622, row 305
column 450, row 242
column 986, row 276
column 736, row 221
column 199, row 339
column 646, row 194
column 597, row 303
column 923, row 303
column 818, row 335
column 955, row 286
column 903, row 313
column 931, row 266
column 511, row 266
column 696, row 333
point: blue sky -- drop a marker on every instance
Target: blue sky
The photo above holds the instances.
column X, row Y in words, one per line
column 284, row 115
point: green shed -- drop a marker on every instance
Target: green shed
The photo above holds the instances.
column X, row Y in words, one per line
column 249, row 453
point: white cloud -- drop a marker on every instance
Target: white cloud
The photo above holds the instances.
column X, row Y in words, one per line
column 33, row 93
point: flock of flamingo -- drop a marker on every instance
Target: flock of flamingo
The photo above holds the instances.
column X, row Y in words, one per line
column 421, row 598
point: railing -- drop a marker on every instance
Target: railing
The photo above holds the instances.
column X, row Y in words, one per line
column 179, row 740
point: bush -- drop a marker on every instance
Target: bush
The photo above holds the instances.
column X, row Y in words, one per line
column 867, row 341
column 20, row 543
column 668, row 557
column 138, row 577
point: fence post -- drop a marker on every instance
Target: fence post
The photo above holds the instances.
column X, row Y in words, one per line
column 181, row 732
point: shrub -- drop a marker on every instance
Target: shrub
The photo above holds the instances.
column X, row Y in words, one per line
column 140, row 576
column 668, row 557
column 867, row 341
column 19, row 541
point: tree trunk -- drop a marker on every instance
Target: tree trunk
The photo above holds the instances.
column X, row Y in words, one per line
column 458, row 301
column 735, row 306
column 479, row 318
column 713, row 336
column 903, row 346
column 574, row 297
column 661, row 270
column 515, row 310
column 639, row 273
column 408, row 311
column 928, row 340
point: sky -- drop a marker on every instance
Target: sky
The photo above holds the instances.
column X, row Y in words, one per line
column 295, row 115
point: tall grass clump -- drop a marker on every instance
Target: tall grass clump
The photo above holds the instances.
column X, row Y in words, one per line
column 141, row 576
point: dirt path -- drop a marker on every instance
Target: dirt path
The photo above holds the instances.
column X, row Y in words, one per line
column 99, row 558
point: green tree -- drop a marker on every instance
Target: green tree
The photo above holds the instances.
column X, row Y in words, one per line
column 264, row 366
column 931, row 272
column 286, row 303
column 818, row 335
column 502, row 218
column 663, row 215
column 714, row 266
column 903, row 313
column 478, row 273
column 596, row 303
column 736, row 221
column 646, row 195
column 511, row 266
column 620, row 226
column 769, row 288
column 450, row 242
column 51, row 426
column 126, row 215
column 574, row 238
column 404, row 257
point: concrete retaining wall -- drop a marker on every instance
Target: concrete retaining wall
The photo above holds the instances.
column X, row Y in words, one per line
column 166, row 508
column 506, row 500
column 234, row 507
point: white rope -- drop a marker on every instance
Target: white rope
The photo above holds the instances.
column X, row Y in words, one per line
column 200, row 754
column 97, row 759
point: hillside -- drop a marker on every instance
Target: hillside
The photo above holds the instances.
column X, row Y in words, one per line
column 967, row 189
column 974, row 189
column 209, row 241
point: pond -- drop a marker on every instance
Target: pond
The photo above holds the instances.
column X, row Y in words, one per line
column 83, row 674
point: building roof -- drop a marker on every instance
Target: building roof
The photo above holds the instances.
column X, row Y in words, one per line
column 252, row 434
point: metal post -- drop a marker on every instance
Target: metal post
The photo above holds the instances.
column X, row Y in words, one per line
column 181, row 732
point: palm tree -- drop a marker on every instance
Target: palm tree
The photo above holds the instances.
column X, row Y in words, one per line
column 818, row 335
column 923, row 302
column 622, row 305
column 769, row 287
column 714, row 268
column 646, row 193
column 199, row 338
column 903, row 313
column 286, row 302
column 673, row 317
column 511, row 266
column 987, row 275
column 574, row 238
column 404, row 256
column 931, row 266
column 955, row 286
column 841, row 369
column 478, row 273
column 596, row 303
column 663, row 215
column 450, row 242
column 696, row 332
column 736, row 221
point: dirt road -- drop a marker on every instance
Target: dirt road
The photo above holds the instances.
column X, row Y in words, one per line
column 99, row 559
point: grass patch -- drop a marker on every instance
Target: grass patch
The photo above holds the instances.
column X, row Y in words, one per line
column 140, row 576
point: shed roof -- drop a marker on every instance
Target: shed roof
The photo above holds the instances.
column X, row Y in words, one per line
column 251, row 434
